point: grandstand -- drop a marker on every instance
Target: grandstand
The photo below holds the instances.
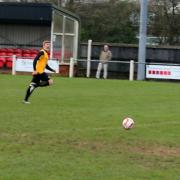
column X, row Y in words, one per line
column 23, row 27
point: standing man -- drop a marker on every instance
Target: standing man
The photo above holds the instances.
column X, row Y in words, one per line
column 40, row 78
column 105, row 56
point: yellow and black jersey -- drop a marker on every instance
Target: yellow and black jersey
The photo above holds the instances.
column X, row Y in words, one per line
column 40, row 62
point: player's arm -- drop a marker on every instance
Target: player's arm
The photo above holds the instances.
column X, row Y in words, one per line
column 49, row 68
column 41, row 53
column 109, row 55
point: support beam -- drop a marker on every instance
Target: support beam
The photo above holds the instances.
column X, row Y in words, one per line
column 142, row 40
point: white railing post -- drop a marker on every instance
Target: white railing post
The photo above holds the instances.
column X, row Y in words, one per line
column 131, row 70
column 71, row 68
column 88, row 72
column 14, row 65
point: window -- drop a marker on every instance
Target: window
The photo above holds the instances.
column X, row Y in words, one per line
column 57, row 47
column 65, row 37
column 68, row 47
column 69, row 26
column 58, row 23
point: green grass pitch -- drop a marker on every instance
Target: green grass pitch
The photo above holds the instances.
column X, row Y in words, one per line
column 72, row 130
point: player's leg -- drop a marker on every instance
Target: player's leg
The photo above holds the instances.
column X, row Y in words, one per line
column 99, row 70
column 105, row 70
column 45, row 80
column 32, row 86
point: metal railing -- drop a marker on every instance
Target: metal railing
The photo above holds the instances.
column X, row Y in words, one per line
column 73, row 62
column 131, row 63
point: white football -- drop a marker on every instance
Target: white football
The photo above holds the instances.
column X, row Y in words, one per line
column 128, row 123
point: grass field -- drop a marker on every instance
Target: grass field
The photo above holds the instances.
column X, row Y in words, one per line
column 72, row 130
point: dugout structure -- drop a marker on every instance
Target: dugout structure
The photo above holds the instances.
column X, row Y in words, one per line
column 26, row 25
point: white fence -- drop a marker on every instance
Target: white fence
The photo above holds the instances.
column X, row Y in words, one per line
column 26, row 65
column 153, row 70
column 131, row 66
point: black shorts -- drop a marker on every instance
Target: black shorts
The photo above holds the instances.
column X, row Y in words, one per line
column 40, row 77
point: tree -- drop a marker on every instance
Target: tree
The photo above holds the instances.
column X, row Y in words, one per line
column 166, row 20
column 108, row 21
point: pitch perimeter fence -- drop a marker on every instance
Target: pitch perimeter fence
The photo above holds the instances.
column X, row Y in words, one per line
column 125, row 69
column 116, row 69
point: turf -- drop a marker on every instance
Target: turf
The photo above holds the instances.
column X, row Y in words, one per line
column 72, row 130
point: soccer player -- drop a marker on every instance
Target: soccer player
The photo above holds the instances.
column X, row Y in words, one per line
column 40, row 78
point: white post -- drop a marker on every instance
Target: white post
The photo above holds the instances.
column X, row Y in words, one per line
column 131, row 70
column 63, row 39
column 71, row 68
column 89, row 58
column 14, row 65
column 53, row 37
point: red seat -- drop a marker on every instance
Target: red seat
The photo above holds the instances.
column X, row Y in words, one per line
column 33, row 55
column 2, row 61
column 3, row 50
column 2, row 53
column 19, row 51
column 26, row 51
column 1, row 64
column 9, row 62
column 10, row 54
column 10, row 50
column 26, row 55
column 8, row 59
column 18, row 54
column 34, row 51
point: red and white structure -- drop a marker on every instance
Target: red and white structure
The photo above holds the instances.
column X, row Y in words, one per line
column 163, row 72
